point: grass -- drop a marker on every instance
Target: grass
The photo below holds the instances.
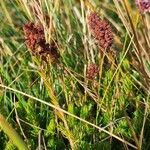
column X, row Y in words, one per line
column 54, row 105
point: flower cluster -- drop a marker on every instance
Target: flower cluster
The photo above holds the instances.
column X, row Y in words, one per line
column 101, row 30
column 92, row 71
column 143, row 5
column 35, row 41
column 34, row 35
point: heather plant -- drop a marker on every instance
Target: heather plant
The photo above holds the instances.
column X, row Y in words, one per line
column 74, row 74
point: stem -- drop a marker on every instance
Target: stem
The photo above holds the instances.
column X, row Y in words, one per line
column 12, row 134
column 146, row 81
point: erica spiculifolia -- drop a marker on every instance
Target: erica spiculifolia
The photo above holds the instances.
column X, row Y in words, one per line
column 100, row 29
column 143, row 5
column 92, row 71
column 35, row 41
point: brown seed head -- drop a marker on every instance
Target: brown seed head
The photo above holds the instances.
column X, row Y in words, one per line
column 34, row 34
column 143, row 5
column 101, row 30
column 35, row 40
column 92, row 71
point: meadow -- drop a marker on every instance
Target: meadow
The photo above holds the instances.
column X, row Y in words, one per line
column 74, row 74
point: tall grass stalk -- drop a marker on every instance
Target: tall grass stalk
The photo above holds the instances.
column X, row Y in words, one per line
column 12, row 134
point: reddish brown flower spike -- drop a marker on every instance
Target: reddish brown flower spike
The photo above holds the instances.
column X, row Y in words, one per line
column 34, row 34
column 92, row 71
column 35, row 41
column 101, row 30
column 143, row 5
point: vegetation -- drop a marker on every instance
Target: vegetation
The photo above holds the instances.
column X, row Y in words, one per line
column 74, row 74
